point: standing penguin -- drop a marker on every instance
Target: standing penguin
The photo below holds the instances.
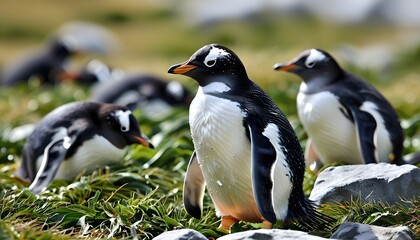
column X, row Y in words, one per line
column 75, row 137
column 246, row 151
column 347, row 119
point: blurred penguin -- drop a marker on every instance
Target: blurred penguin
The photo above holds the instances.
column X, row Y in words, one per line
column 50, row 63
column 153, row 95
column 92, row 73
column 45, row 64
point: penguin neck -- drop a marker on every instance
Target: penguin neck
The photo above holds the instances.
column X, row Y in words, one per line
column 314, row 84
column 222, row 83
column 215, row 87
column 59, row 52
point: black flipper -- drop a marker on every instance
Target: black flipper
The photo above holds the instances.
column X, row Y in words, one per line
column 194, row 186
column 263, row 157
column 54, row 155
column 365, row 127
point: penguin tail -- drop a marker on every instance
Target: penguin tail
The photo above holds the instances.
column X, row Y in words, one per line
column 305, row 216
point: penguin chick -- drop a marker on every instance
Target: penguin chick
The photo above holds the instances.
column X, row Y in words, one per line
column 347, row 119
column 76, row 137
column 246, row 152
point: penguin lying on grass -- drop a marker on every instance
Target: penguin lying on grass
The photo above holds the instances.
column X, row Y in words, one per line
column 246, row 151
column 345, row 117
column 76, row 137
column 46, row 64
column 152, row 94
column 93, row 72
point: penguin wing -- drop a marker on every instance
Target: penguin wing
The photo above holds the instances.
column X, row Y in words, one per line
column 54, row 155
column 194, row 185
column 365, row 125
column 263, row 157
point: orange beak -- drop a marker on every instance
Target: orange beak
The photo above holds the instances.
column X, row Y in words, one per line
column 67, row 75
column 143, row 141
column 284, row 67
column 181, row 68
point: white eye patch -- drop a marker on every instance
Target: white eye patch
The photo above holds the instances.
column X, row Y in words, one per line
column 175, row 89
column 213, row 55
column 314, row 57
column 101, row 70
column 124, row 119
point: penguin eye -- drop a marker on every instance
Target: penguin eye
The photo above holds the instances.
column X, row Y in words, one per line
column 123, row 129
column 310, row 64
column 210, row 63
column 110, row 121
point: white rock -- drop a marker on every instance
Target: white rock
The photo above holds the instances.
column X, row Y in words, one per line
column 371, row 183
column 358, row 231
column 182, row 234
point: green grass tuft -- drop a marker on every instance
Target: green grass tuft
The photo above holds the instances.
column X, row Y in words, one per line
column 141, row 196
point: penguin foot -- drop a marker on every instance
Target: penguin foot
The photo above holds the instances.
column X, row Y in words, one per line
column 227, row 222
column 266, row 224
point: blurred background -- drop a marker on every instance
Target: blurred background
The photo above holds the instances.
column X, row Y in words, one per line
column 378, row 40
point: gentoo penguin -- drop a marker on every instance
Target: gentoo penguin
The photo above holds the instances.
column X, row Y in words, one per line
column 92, row 73
column 246, row 152
column 76, row 137
column 346, row 118
column 152, row 94
column 45, row 64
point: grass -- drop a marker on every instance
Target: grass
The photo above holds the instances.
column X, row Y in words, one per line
column 141, row 196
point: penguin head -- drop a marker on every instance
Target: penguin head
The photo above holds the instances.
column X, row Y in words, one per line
column 63, row 47
column 94, row 71
column 312, row 65
column 120, row 127
column 212, row 63
column 176, row 93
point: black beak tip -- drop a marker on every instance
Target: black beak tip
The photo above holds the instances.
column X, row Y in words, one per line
column 172, row 68
column 277, row 66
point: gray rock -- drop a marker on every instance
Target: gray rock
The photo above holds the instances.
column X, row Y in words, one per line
column 358, row 231
column 268, row 234
column 370, row 183
column 183, row 234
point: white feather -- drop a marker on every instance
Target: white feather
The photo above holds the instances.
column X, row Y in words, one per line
column 215, row 87
column 60, row 134
column 280, row 174
column 175, row 89
column 314, row 56
column 223, row 153
column 381, row 138
column 94, row 153
column 214, row 54
column 333, row 135
column 124, row 119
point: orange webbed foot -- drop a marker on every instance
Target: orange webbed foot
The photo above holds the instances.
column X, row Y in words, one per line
column 266, row 224
column 227, row 222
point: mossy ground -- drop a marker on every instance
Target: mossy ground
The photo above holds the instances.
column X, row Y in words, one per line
column 141, row 196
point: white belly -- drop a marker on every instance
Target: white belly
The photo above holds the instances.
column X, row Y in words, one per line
column 93, row 154
column 333, row 135
column 223, row 152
